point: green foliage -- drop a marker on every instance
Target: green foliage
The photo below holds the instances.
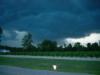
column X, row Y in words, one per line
column 50, row 48
column 27, row 41
column 91, row 67
column 48, row 45
column 78, row 46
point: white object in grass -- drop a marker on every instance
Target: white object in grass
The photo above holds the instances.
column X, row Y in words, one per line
column 54, row 67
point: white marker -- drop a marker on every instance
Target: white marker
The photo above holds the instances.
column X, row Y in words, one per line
column 54, row 67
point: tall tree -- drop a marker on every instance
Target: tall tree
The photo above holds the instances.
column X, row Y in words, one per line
column 95, row 46
column 27, row 41
column 48, row 45
column 77, row 46
column 70, row 47
column 89, row 45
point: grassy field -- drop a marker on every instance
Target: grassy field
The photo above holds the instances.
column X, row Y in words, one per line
column 92, row 67
column 67, row 53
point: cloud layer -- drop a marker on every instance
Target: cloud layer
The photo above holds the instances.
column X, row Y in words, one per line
column 51, row 19
column 14, row 41
column 92, row 38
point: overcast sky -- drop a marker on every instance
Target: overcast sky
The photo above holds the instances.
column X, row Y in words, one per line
column 49, row 19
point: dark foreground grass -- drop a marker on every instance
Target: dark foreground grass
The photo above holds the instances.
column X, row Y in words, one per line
column 92, row 67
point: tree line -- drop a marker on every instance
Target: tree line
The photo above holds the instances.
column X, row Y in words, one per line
column 49, row 45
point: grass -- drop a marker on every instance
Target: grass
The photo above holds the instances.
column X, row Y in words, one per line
column 67, row 53
column 92, row 67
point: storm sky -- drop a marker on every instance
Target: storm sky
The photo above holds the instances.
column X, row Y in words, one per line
column 49, row 19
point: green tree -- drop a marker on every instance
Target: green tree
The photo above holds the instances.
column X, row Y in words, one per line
column 27, row 42
column 48, row 45
column 89, row 46
column 95, row 46
column 78, row 46
column 70, row 47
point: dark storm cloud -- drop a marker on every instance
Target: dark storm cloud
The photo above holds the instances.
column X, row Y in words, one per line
column 51, row 19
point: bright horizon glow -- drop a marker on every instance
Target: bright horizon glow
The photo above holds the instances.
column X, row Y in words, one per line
column 92, row 38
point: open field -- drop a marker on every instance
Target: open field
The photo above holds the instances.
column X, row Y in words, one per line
column 91, row 67
column 57, row 53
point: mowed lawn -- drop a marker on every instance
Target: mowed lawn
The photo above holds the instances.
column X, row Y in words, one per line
column 92, row 67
